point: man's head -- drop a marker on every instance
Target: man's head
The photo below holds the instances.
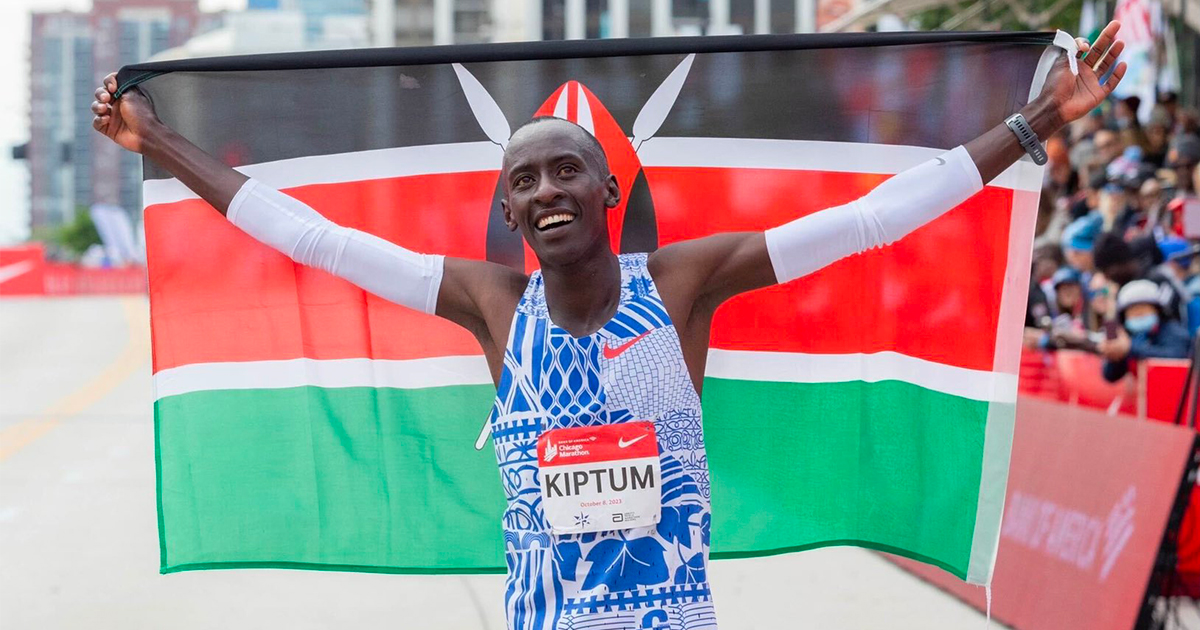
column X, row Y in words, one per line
column 1078, row 239
column 1068, row 290
column 1115, row 258
column 1183, row 157
column 1139, row 307
column 1177, row 253
column 1108, row 145
column 557, row 190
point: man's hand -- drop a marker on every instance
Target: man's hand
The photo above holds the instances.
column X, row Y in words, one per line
column 1116, row 349
column 125, row 121
column 1073, row 96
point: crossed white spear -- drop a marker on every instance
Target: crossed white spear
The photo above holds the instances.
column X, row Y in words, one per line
column 495, row 126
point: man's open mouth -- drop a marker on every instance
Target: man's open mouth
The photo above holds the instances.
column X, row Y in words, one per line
column 556, row 220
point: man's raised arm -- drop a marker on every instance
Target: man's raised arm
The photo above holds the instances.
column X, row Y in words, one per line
column 705, row 272
column 392, row 272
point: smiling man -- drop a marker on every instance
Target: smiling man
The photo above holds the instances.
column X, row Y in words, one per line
column 598, row 359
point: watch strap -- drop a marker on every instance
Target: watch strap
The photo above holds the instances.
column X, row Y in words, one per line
column 1027, row 138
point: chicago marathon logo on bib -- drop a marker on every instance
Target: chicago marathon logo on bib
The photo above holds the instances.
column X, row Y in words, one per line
column 600, row 478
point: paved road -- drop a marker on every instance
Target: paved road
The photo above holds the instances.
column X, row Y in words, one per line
column 79, row 546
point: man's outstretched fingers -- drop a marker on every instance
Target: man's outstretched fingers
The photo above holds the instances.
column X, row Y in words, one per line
column 1104, row 55
column 1117, row 75
column 1111, row 58
column 1100, row 47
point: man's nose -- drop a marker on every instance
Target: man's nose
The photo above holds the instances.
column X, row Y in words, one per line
column 547, row 191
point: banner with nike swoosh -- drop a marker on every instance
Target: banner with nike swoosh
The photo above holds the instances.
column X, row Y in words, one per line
column 301, row 422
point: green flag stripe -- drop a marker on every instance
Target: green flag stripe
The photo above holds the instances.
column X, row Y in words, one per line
column 271, row 477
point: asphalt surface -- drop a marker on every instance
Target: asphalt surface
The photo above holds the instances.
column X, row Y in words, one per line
column 78, row 529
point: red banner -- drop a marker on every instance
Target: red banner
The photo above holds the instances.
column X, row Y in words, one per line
column 1087, row 505
column 24, row 271
column 21, row 270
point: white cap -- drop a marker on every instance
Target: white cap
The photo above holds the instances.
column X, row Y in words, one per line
column 1138, row 292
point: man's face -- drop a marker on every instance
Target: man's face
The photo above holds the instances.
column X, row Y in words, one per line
column 1080, row 259
column 1108, row 146
column 1123, row 272
column 1070, row 295
column 557, row 191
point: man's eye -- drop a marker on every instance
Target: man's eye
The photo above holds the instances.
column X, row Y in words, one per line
column 524, row 180
column 567, row 169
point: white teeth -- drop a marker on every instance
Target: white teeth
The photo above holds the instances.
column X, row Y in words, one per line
column 553, row 219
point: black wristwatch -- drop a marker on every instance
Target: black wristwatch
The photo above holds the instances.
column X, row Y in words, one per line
column 1028, row 139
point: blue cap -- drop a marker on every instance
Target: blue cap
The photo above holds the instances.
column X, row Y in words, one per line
column 1066, row 274
column 1173, row 245
column 1081, row 233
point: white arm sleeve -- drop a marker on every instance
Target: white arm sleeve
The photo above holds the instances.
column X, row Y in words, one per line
column 378, row 266
column 881, row 217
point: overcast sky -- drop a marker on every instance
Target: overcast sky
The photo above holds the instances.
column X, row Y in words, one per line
column 14, row 102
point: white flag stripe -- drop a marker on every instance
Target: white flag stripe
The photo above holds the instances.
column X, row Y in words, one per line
column 469, row 157
column 793, row 367
column 403, row 374
column 337, row 168
column 784, row 367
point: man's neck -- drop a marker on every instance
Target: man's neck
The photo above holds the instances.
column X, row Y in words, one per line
column 582, row 296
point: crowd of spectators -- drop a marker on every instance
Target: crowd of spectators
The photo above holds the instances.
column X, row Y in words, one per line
column 1116, row 269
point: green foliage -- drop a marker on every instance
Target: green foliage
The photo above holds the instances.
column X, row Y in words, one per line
column 79, row 234
column 997, row 15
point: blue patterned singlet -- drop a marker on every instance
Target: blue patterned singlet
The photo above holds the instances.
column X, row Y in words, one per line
column 649, row 577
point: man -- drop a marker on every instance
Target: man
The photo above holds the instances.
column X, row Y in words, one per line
column 1176, row 270
column 1079, row 238
column 1184, row 159
column 599, row 347
column 1149, row 335
column 1125, row 261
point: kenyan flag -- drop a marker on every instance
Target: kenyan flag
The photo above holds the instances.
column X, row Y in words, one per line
column 304, row 423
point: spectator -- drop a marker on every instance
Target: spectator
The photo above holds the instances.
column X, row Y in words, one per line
column 1123, row 262
column 1144, row 333
column 1150, row 203
column 1174, row 270
column 1078, row 241
column 1088, row 198
column 1068, row 294
column 1158, row 132
column 1101, row 304
column 1108, row 147
column 1070, row 311
column 1183, row 158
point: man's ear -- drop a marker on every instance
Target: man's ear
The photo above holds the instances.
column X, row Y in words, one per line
column 508, row 218
column 612, row 192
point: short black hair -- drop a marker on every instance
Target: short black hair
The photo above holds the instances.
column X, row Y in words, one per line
column 1110, row 249
column 590, row 139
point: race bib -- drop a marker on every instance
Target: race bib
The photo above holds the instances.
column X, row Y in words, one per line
column 600, row 478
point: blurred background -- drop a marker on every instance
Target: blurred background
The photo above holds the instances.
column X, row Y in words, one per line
column 1107, row 364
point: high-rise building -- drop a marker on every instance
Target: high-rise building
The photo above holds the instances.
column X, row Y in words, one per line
column 415, row 22
column 59, row 150
column 70, row 165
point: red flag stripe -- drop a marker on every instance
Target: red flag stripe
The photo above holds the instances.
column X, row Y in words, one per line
column 223, row 297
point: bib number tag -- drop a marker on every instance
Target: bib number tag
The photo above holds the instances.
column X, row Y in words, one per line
column 601, row 478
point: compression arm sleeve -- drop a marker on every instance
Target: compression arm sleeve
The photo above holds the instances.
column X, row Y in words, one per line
column 893, row 209
column 378, row 266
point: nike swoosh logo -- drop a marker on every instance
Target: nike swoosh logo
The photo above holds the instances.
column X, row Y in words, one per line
column 940, row 161
column 621, row 443
column 612, row 353
column 8, row 272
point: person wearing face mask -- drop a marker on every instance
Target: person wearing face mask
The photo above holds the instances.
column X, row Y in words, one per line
column 1144, row 332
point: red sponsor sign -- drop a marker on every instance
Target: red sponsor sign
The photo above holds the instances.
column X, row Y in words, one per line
column 22, row 269
column 1088, row 500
